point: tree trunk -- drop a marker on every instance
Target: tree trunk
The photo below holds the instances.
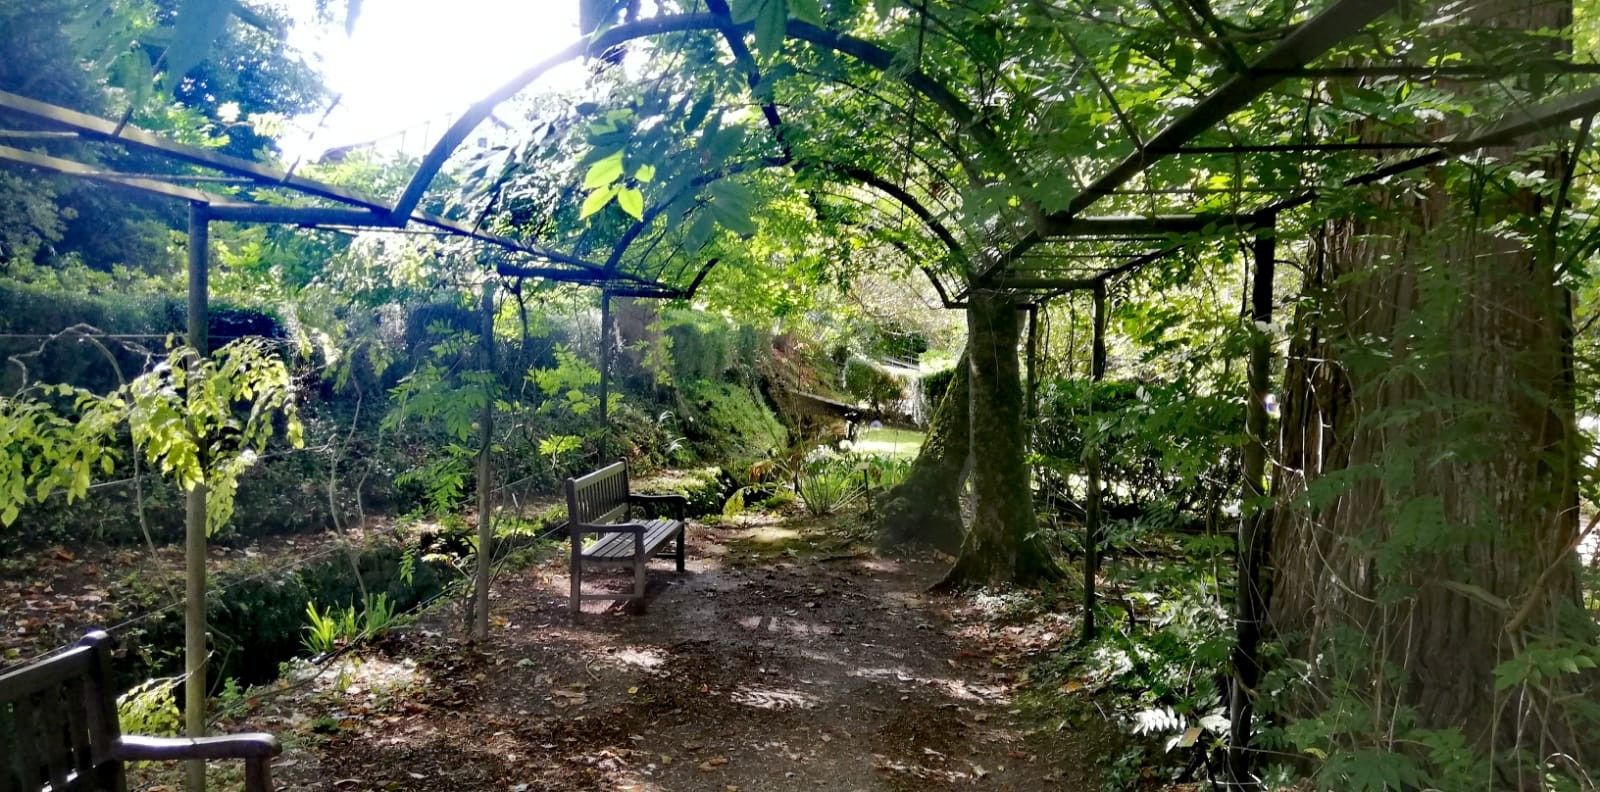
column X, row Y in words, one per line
column 1002, row 545
column 1427, row 486
column 925, row 509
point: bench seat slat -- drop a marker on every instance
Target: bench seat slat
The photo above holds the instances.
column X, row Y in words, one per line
column 619, row 546
column 607, row 543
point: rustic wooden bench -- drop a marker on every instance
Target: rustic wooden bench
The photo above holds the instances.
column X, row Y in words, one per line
column 59, row 731
column 600, row 503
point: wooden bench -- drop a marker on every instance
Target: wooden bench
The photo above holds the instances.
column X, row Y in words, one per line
column 600, row 503
column 59, row 731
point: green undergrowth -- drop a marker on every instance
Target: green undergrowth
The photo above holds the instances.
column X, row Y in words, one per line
column 257, row 617
column 730, row 421
column 1149, row 678
column 701, row 486
column 787, row 533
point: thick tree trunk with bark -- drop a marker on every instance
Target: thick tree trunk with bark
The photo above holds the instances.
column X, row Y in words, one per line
column 1427, row 481
column 925, row 509
column 1002, row 544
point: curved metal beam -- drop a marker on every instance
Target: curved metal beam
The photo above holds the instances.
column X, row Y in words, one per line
column 863, row 51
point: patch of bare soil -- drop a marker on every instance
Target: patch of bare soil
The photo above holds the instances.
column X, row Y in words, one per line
column 777, row 662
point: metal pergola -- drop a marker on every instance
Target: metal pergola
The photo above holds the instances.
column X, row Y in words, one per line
column 1021, row 260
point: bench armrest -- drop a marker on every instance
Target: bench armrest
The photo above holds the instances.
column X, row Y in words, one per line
column 171, row 749
column 679, row 503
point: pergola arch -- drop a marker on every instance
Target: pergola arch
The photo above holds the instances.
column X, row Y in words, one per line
column 863, row 51
column 1238, row 83
column 956, row 250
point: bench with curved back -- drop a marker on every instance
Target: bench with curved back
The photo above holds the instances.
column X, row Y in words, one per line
column 600, row 503
column 59, row 730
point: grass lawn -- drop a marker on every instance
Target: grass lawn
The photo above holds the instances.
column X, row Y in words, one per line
column 897, row 442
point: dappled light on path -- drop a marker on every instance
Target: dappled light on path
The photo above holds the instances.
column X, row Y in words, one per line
column 800, row 668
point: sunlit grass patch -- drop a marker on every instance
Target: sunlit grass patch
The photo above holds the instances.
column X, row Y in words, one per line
column 895, row 442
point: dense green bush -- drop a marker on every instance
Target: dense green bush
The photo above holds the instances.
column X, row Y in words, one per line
column 933, row 386
column 28, row 311
column 285, row 492
column 704, row 489
column 1165, row 450
column 706, row 347
column 257, row 619
column 729, row 421
column 868, row 383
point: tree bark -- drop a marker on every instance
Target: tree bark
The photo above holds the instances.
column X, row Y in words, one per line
column 1427, row 480
column 1002, row 545
column 925, row 509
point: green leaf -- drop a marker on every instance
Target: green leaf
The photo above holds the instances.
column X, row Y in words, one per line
column 645, row 174
column 1182, row 62
column 199, row 23
column 883, row 7
column 733, row 195
column 132, row 73
column 632, row 202
column 807, row 11
column 724, row 143
column 597, row 200
column 699, row 232
column 603, row 172
column 770, row 24
column 734, row 504
column 744, row 10
column 697, row 113
column 731, row 206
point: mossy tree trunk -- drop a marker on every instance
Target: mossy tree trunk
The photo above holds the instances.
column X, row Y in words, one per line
column 1002, row 544
column 925, row 509
column 1429, row 422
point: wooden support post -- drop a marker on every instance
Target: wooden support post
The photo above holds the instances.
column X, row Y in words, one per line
column 194, row 527
column 480, row 621
column 1093, row 516
column 605, row 358
column 1255, row 520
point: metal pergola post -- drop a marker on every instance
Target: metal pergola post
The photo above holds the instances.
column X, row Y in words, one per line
column 605, row 358
column 194, row 527
column 1032, row 405
column 480, row 621
column 1255, row 519
column 1094, row 510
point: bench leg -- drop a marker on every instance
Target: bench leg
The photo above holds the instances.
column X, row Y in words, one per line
column 681, row 532
column 640, row 561
column 576, row 576
column 258, row 774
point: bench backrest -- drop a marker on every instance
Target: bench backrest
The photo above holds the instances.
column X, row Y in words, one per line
column 599, row 497
column 58, row 722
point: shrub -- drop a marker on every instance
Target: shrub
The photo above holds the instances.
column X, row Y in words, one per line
column 1165, row 449
column 933, row 386
column 868, row 383
column 729, row 421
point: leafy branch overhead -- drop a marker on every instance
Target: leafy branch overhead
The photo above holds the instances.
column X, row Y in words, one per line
column 201, row 421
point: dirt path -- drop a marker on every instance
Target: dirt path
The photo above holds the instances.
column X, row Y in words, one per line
column 775, row 663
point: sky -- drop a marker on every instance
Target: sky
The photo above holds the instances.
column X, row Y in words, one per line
column 409, row 65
